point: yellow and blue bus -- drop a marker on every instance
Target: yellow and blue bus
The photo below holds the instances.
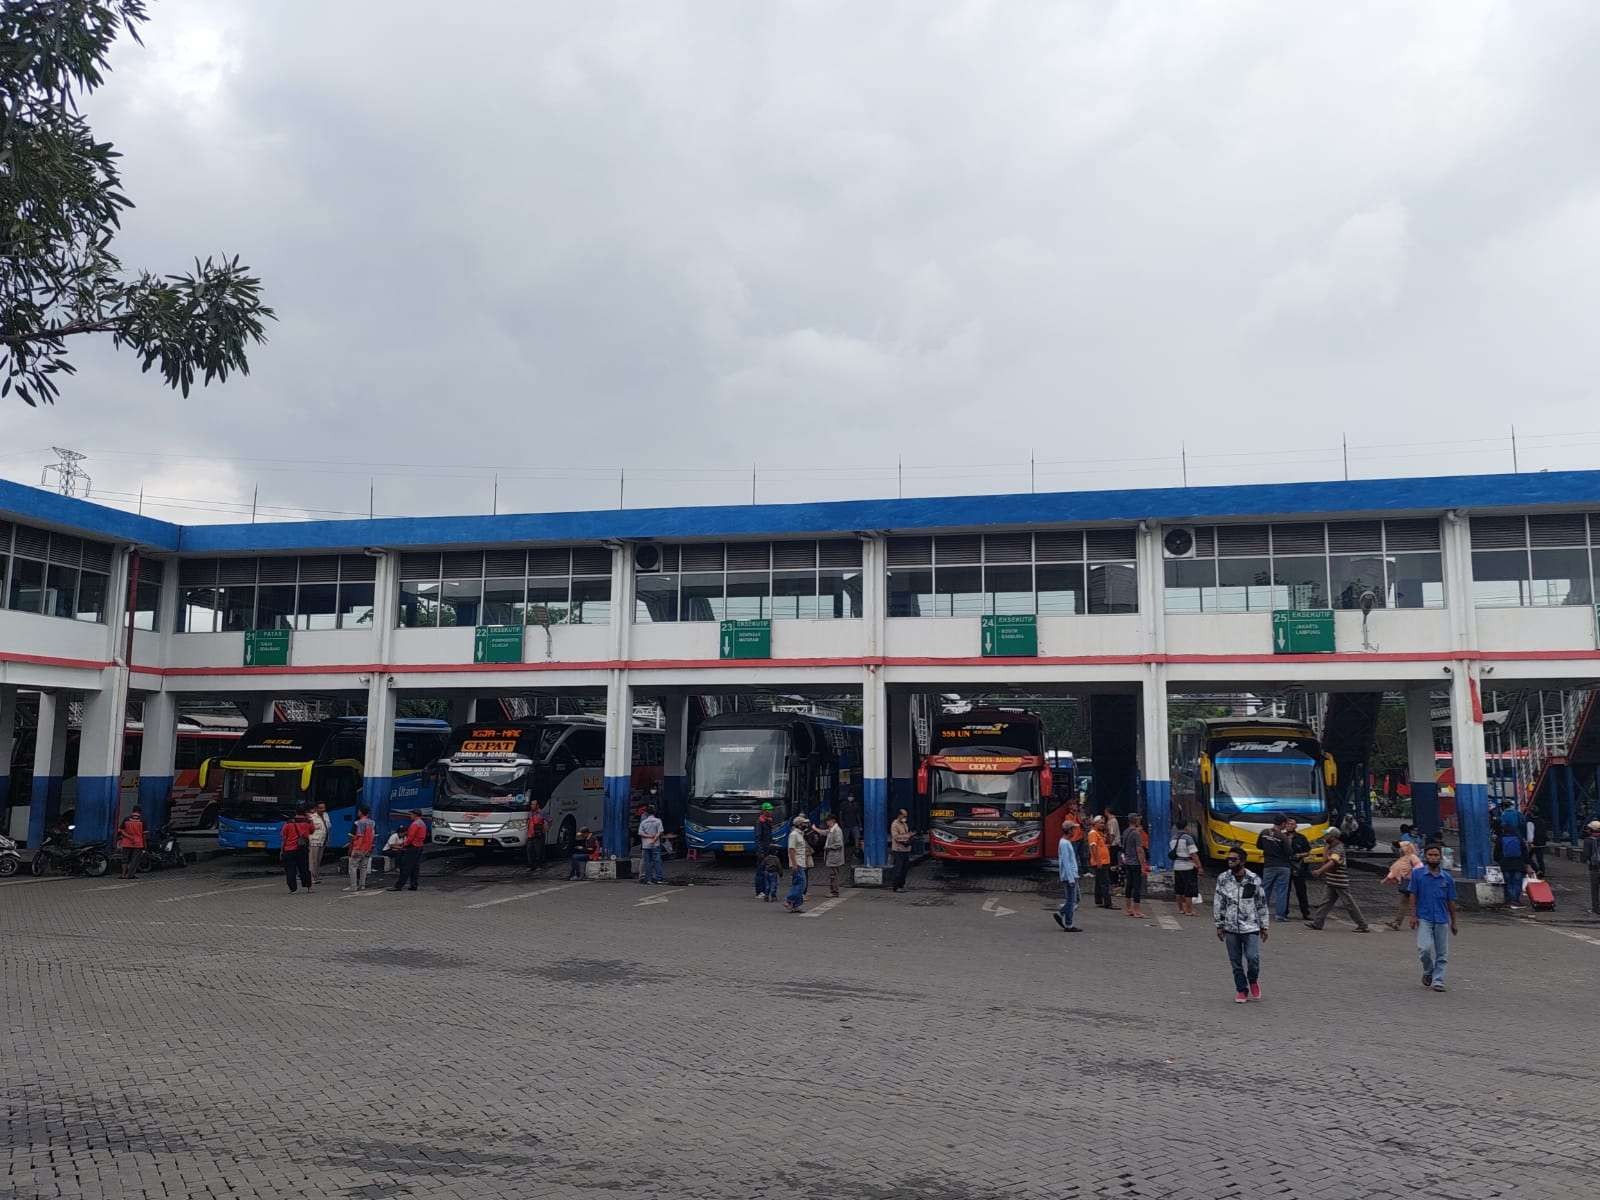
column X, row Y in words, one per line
column 1251, row 770
column 278, row 766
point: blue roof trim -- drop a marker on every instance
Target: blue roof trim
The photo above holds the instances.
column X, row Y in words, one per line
column 1362, row 497
column 34, row 505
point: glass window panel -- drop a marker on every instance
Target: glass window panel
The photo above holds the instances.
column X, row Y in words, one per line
column 27, row 585
column 1113, row 588
column 958, row 591
column 1243, row 585
column 591, row 602
column 839, row 594
column 238, row 608
column 61, row 590
column 317, row 606
column 146, row 603
column 1008, row 589
column 910, row 592
column 548, row 601
column 1352, row 575
column 355, row 605
column 655, row 598
column 461, row 600
column 503, row 600
column 1301, row 581
column 1191, row 585
column 1499, row 578
column 198, row 609
column 275, row 606
column 5, row 565
column 1416, row 580
column 1061, row 590
column 1561, row 577
column 419, row 605
column 702, row 596
column 794, row 595
column 92, row 587
column 749, row 595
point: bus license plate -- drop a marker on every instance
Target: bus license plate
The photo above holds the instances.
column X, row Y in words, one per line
column 255, row 845
column 472, row 841
column 983, row 854
column 732, row 847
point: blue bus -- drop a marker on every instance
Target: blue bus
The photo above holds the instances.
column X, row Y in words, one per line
column 795, row 762
column 278, row 766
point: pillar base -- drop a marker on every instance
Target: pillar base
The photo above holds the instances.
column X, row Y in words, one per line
column 615, row 838
column 99, row 805
column 155, row 800
column 1158, row 820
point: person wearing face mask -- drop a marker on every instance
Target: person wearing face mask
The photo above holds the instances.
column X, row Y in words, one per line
column 1242, row 917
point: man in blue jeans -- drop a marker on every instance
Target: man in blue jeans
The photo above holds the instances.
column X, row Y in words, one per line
column 650, row 834
column 1433, row 915
column 1239, row 907
column 1067, row 858
column 799, row 862
column 1277, row 865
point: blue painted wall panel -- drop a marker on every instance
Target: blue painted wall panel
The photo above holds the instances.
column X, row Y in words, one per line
column 155, row 800
column 619, row 791
column 875, row 821
column 1158, row 820
column 1472, row 812
column 44, row 800
column 98, row 801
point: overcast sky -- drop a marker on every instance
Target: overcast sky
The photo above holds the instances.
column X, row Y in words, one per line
column 682, row 239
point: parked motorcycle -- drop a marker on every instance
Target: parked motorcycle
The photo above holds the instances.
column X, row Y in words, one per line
column 162, row 851
column 10, row 860
column 57, row 853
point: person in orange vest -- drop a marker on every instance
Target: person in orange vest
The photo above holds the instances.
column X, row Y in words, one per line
column 363, row 830
column 1100, row 863
column 411, row 853
column 130, row 840
column 296, row 852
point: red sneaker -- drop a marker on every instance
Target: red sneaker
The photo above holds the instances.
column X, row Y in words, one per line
column 1242, row 998
column 1255, row 991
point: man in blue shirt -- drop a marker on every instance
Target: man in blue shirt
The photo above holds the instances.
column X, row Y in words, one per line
column 1067, row 857
column 1433, row 915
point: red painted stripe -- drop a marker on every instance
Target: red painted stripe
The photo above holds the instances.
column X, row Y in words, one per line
column 46, row 660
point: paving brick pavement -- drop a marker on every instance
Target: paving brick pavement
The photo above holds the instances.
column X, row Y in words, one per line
column 162, row 1042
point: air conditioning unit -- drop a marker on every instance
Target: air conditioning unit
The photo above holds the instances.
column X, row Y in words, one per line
column 646, row 558
column 1178, row 542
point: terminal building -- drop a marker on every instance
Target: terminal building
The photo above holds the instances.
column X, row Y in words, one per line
column 1439, row 588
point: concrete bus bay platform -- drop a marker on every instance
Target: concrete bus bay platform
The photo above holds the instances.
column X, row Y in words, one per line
column 203, row 1034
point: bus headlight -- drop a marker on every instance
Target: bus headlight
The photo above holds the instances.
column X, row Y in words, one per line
column 941, row 835
column 691, row 827
column 1023, row 836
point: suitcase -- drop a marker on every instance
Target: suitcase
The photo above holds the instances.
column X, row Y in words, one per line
column 1539, row 895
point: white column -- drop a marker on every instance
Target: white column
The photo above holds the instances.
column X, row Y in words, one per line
column 100, row 744
column 1155, row 764
column 875, row 767
column 377, row 758
column 1466, row 705
column 1421, row 757
column 619, row 762
column 49, row 763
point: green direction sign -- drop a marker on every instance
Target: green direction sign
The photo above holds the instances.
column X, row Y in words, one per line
column 746, row 639
column 1302, row 631
column 266, row 647
column 1010, row 635
column 497, row 644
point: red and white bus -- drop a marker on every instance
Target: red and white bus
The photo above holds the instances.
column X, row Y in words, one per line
column 993, row 795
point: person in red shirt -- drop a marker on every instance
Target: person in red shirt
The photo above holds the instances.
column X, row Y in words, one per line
column 411, row 853
column 297, row 849
column 130, row 840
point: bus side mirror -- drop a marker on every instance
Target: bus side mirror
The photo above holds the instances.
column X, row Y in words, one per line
column 305, row 777
column 205, row 772
column 1330, row 770
column 1205, row 768
column 922, row 779
column 1047, row 782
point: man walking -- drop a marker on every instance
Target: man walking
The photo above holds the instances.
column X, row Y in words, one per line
column 1067, row 866
column 1433, row 915
column 765, row 834
column 900, row 847
column 1134, row 864
column 130, row 840
column 296, row 850
column 1185, row 868
column 650, row 832
column 411, row 854
column 1277, row 865
column 1100, row 863
column 1240, row 911
column 1336, row 875
column 362, row 832
column 799, row 863
column 833, row 853
column 1589, row 853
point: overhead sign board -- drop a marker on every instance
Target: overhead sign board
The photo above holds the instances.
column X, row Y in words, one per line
column 497, row 644
column 746, row 639
column 1302, row 631
column 266, row 647
column 1010, row 635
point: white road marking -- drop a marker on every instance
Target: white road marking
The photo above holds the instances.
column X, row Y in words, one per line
column 651, row 900
column 33, row 879
column 1166, row 922
column 1570, row 933
column 992, row 905
column 525, row 895
column 113, row 887
column 829, row 904
column 248, row 887
column 284, row 928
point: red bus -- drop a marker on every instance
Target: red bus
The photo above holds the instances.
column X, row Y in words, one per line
column 992, row 792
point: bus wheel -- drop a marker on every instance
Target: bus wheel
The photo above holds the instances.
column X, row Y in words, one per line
column 567, row 839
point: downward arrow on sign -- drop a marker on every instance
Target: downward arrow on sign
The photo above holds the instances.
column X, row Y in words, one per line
column 1280, row 637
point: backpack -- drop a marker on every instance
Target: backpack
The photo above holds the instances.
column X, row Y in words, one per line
column 1510, row 847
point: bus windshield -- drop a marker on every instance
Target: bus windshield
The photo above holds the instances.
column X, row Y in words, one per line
column 1256, row 780
column 744, row 764
column 488, row 786
column 255, row 795
column 1009, row 793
